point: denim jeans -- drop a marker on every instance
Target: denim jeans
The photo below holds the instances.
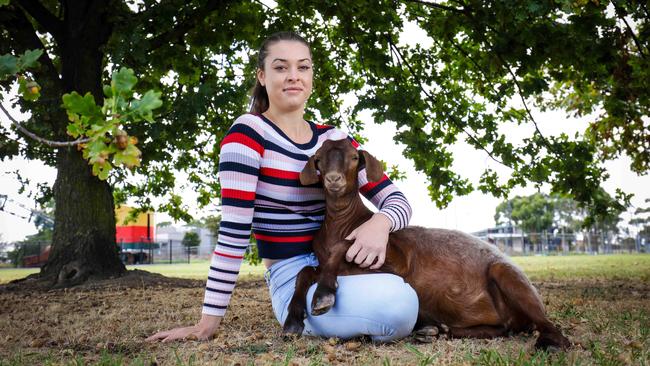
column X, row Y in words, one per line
column 380, row 305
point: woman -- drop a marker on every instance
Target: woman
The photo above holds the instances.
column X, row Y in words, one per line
column 260, row 160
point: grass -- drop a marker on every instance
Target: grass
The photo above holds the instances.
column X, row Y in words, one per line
column 587, row 267
column 600, row 302
column 196, row 270
column 547, row 268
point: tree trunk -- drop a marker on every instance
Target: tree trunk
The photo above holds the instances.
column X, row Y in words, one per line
column 83, row 243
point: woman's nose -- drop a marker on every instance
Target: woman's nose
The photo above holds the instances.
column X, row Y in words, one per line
column 293, row 74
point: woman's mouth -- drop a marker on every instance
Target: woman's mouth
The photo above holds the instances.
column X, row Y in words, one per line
column 292, row 90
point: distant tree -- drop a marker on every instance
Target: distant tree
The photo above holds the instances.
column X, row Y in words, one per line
column 212, row 223
column 191, row 239
column 534, row 214
column 641, row 221
column 164, row 224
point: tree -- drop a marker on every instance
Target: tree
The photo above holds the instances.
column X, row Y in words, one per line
column 533, row 214
column 480, row 58
column 641, row 221
column 191, row 239
column 212, row 223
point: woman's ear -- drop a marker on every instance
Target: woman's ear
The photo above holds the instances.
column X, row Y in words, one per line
column 260, row 77
column 374, row 169
column 309, row 175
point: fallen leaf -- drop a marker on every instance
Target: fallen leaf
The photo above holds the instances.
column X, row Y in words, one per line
column 352, row 346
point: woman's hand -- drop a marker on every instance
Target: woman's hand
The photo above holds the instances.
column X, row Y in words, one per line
column 370, row 241
column 205, row 329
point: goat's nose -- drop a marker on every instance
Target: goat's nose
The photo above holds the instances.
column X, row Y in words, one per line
column 333, row 178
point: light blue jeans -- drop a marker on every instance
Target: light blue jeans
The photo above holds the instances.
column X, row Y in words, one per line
column 380, row 305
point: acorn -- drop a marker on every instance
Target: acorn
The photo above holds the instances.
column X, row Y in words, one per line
column 33, row 87
column 121, row 140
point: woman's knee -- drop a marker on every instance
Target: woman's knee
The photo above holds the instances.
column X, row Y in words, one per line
column 400, row 311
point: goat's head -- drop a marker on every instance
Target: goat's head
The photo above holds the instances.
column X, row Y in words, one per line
column 339, row 163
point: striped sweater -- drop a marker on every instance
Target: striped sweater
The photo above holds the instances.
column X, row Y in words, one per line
column 259, row 169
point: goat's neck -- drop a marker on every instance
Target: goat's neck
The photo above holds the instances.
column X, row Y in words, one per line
column 345, row 210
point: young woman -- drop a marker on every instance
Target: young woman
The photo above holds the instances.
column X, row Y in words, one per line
column 259, row 165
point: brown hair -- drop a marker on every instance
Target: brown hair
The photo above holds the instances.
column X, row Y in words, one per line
column 259, row 97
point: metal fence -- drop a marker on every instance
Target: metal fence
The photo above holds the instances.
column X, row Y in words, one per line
column 595, row 242
column 35, row 254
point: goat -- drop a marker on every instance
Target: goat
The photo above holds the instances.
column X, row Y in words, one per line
column 464, row 285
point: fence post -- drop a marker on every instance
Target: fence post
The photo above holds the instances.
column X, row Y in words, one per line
column 170, row 251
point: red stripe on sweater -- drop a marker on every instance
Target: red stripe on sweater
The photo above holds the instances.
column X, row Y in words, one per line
column 370, row 185
column 277, row 173
column 284, row 239
column 244, row 140
column 228, row 255
column 234, row 193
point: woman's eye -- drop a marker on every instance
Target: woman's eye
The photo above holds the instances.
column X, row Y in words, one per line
column 305, row 67
column 355, row 158
column 279, row 67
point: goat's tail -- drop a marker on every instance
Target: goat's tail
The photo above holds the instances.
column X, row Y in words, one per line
column 525, row 304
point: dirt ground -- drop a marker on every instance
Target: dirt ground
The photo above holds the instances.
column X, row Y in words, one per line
column 106, row 323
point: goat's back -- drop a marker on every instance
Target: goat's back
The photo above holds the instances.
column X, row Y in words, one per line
column 449, row 271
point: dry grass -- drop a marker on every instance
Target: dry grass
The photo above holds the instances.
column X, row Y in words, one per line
column 606, row 318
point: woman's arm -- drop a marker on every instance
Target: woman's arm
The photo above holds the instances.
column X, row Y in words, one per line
column 239, row 162
column 371, row 238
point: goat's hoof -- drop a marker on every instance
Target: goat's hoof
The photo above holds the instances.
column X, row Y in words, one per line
column 426, row 334
column 552, row 342
column 322, row 302
column 293, row 327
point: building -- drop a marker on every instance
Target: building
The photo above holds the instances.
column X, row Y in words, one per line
column 172, row 236
column 509, row 239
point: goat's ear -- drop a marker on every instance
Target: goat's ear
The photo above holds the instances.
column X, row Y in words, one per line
column 309, row 175
column 374, row 169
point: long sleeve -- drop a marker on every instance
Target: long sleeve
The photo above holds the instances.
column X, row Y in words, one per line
column 386, row 196
column 239, row 165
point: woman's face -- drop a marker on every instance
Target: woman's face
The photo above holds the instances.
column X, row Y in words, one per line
column 287, row 75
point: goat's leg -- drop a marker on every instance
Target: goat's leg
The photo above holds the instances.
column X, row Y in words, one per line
column 521, row 298
column 325, row 294
column 479, row 331
column 295, row 322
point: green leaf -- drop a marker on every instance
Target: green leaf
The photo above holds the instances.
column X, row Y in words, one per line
column 143, row 107
column 8, row 66
column 4, row 2
column 29, row 59
column 124, row 80
column 74, row 130
column 84, row 106
column 129, row 157
column 108, row 91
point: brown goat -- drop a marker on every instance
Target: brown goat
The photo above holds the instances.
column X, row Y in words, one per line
column 462, row 283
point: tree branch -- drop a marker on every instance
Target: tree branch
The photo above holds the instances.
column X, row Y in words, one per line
column 185, row 25
column 33, row 136
column 629, row 29
column 432, row 98
column 437, row 6
column 49, row 21
column 523, row 100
